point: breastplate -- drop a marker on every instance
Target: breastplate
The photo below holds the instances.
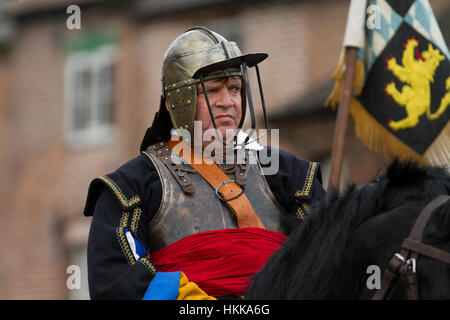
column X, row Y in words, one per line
column 181, row 214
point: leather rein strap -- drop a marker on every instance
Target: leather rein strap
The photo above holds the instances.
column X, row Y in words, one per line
column 231, row 192
column 404, row 263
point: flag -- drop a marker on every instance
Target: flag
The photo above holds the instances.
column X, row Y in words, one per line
column 401, row 86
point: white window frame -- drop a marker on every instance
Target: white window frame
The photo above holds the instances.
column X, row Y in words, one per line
column 95, row 132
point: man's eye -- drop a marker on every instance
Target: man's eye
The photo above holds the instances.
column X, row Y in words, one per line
column 208, row 91
column 212, row 90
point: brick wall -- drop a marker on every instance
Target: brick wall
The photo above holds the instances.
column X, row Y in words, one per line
column 45, row 180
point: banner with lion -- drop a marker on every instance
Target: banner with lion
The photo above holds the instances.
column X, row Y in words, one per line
column 401, row 86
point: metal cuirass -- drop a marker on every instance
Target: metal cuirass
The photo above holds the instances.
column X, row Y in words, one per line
column 181, row 214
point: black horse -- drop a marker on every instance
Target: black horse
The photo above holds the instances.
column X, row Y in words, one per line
column 327, row 256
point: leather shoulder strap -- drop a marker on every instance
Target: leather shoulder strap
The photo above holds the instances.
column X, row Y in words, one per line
column 179, row 171
column 230, row 191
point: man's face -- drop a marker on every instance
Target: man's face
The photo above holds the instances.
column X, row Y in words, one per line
column 224, row 96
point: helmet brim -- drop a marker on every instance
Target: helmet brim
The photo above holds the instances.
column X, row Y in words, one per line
column 250, row 60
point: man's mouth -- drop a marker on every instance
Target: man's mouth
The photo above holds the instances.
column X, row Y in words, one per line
column 223, row 117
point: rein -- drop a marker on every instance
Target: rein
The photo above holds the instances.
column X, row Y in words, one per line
column 404, row 264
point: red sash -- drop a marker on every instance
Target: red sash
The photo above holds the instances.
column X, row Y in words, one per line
column 220, row 262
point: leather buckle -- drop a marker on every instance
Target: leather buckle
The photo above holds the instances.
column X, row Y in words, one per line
column 232, row 198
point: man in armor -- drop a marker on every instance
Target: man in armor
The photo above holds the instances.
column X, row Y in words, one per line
column 177, row 222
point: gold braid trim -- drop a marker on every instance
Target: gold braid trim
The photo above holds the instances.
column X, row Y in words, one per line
column 127, row 203
column 308, row 181
column 303, row 210
column 120, row 231
column 123, row 239
column 135, row 219
column 146, row 262
column 300, row 213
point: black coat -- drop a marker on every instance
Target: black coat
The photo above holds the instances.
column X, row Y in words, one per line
column 112, row 271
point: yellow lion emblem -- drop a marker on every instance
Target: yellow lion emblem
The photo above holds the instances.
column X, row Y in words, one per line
column 417, row 73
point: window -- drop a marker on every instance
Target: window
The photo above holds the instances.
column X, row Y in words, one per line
column 89, row 75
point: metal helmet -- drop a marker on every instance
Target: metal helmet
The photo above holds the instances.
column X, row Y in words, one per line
column 198, row 55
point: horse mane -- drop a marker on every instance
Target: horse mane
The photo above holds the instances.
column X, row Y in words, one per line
column 311, row 263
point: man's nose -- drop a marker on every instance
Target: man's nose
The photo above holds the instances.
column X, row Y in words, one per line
column 224, row 99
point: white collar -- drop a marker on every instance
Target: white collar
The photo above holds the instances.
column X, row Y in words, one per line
column 253, row 145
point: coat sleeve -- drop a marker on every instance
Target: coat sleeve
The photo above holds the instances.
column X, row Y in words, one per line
column 308, row 190
column 121, row 205
column 119, row 265
column 297, row 183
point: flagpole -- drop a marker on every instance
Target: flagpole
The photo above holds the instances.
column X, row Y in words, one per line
column 337, row 153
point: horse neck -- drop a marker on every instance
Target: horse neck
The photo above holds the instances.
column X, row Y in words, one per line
column 377, row 240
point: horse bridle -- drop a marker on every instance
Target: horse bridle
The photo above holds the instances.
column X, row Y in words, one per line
column 404, row 263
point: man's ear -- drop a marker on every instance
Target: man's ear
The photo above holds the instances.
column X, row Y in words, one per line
column 167, row 104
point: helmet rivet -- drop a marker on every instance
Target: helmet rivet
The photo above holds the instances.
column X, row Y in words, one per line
column 189, row 88
column 188, row 102
column 178, row 90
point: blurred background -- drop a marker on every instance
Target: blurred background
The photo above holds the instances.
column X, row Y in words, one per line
column 75, row 104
